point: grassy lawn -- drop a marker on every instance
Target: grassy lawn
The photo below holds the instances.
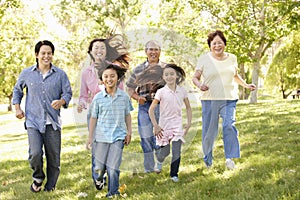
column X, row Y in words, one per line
column 269, row 134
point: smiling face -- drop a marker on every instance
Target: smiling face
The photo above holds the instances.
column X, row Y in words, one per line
column 217, row 46
column 99, row 51
column 44, row 56
column 153, row 52
column 110, row 78
column 170, row 76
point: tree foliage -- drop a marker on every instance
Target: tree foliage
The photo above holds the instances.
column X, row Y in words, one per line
column 284, row 71
column 251, row 26
column 17, row 38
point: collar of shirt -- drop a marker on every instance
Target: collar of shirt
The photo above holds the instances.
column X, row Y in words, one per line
column 162, row 64
column 105, row 94
column 52, row 68
column 176, row 90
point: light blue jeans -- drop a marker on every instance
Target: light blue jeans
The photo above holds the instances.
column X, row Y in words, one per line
column 108, row 156
column 211, row 111
column 94, row 174
column 51, row 140
column 148, row 141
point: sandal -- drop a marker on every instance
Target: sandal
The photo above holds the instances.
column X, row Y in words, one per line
column 36, row 187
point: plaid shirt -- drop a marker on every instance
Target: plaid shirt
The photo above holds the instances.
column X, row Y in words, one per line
column 146, row 89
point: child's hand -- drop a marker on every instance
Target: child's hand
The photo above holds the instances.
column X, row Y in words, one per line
column 186, row 128
column 127, row 139
column 88, row 145
column 158, row 131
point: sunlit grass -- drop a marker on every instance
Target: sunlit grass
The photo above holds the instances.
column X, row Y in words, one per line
column 269, row 134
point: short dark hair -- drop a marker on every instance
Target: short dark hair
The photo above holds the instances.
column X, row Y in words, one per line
column 120, row 71
column 38, row 46
column 212, row 35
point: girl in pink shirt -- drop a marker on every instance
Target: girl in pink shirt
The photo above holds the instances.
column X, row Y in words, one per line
column 169, row 128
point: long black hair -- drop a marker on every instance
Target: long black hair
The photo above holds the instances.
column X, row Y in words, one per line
column 116, row 51
column 180, row 72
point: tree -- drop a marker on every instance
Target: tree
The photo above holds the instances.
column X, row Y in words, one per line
column 18, row 33
column 284, row 71
column 252, row 26
column 86, row 20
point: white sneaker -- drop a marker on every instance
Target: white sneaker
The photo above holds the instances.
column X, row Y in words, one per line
column 158, row 167
column 175, row 179
column 230, row 164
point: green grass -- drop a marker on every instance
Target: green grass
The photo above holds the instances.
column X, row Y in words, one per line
column 269, row 134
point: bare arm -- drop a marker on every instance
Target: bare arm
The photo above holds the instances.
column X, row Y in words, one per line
column 197, row 83
column 132, row 93
column 243, row 83
column 188, row 114
column 129, row 129
column 92, row 126
column 157, row 129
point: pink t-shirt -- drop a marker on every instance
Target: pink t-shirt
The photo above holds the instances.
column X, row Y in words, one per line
column 90, row 86
column 170, row 119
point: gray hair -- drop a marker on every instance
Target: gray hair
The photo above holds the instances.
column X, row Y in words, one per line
column 155, row 42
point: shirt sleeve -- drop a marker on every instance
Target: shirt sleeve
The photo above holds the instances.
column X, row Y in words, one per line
column 84, row 95
column 66, row 90
column 158, row 94
column 129, row 106
column 18, row 89
column 94, row 108
column 200, row 63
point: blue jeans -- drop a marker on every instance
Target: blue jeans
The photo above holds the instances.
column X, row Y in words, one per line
column 51, row 140
column 94, row 174
column 164, row 151
column 108, row 156
column 211, row 110
column 148, row 141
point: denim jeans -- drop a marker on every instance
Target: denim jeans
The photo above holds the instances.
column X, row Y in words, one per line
column 109, row 156
column 164, row 151
column 148, row 141
column 51, row 140
column 211, row 110
column 94, row 174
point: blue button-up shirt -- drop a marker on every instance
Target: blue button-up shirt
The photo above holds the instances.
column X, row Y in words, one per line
column 40, row 92
column 111, row 113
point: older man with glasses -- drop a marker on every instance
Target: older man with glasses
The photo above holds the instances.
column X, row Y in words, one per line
column 145, row 79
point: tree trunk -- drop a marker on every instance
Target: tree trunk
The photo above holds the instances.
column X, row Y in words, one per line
column 255, row 75
column 9, row 108
column 242, row 95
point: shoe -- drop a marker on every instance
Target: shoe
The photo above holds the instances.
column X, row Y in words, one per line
column 148, row 171
column 36, row 186
column 104, row 179
column 207, row 165
column 174, row 178
column 99, row 184
column 49, row 190
column 229, row 164
column 158, row 167
column 112, row 196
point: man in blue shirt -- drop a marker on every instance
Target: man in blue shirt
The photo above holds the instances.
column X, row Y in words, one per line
column 47, row 90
